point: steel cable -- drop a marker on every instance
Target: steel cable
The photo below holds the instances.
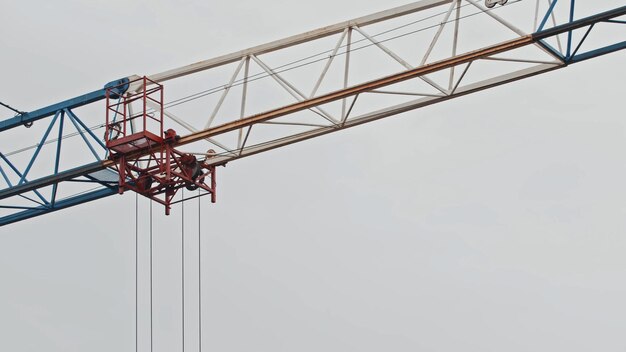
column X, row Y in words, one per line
column 151, row 305
column 199, row 276
column 136, row 271
column 182, row 246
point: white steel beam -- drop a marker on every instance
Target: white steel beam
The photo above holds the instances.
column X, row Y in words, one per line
column 394, row 110
column 225, row 93
column 297, row 39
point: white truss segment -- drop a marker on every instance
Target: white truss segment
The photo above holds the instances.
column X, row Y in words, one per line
column 329, row 62
column 298, row 39
column 226, row 91
column 293, row 77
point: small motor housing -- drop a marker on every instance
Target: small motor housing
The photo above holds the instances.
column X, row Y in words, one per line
column 491, row 3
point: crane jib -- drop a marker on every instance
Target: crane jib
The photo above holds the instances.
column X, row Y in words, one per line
column 537, row 38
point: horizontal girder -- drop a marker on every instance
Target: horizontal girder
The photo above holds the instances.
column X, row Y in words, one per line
column 298, row 39
column 316, row 103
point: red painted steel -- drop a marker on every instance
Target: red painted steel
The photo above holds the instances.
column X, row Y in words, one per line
column 162, row 170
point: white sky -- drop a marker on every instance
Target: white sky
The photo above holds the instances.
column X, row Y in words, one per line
column 492, row 222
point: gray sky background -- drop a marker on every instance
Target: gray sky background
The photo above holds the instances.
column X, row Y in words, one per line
column 493, row 222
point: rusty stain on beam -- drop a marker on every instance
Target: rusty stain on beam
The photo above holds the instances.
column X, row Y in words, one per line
column 344, row 93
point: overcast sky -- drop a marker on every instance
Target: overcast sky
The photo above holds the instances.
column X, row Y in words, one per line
column 494, row 222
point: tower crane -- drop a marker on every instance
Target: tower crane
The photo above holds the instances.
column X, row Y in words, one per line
column 160, row 133
column 126, row 137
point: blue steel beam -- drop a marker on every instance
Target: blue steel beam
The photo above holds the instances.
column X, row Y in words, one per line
column 52, row 179
column 18, row 173
column 33, row 116
column 30, row 117
column 580, row 23
column 58, row 205
column 591, row 21
column 39, row 146
column 547, row 16
column 569, row 34
column 598, row 52
column 53, row 196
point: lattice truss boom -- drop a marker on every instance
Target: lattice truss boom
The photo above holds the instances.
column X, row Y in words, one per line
column 308, row 85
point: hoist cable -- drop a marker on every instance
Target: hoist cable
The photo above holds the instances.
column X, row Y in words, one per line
column 182, row 246
column 151, row 306
column 12, row 109
column 199, row 277
column 69, row 135
column 136, row 271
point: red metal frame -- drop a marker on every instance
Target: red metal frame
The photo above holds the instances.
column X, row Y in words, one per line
column 119, row 135
column 164, row 170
